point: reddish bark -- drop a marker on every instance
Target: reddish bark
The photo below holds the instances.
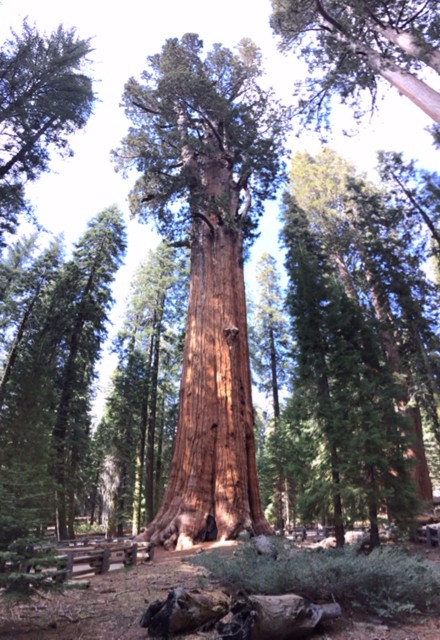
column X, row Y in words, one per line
column 214, row 465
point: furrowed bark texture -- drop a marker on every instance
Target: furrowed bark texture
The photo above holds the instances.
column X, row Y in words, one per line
column 214, row 466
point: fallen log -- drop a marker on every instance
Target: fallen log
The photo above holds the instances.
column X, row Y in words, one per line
column 285, row 617
column 184, row 611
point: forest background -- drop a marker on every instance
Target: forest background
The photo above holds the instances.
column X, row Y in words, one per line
column 76, row 188
column 79, row 187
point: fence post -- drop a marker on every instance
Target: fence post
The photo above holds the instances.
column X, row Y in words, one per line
column 105, row 567
column 133, row 555
column 69, row 566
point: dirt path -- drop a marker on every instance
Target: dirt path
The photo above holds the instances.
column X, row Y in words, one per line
column 111, row 607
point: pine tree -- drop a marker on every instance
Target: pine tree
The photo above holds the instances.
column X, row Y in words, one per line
column 44, row 97
column 344, row 390
column 23, row 286
column 29, row 395
column 417, row 192
column 81, row 303
column 268, row 352
column 406, row 306
column 364, row 252
column 133, row 421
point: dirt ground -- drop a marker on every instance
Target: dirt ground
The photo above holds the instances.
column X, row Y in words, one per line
column 112, row 605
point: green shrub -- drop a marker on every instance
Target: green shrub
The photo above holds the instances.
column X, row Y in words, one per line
column 28, row 566
column 388, row 582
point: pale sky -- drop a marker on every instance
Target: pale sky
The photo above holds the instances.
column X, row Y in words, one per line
column 123, row 35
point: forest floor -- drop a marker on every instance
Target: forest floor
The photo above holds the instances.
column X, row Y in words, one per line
column 112, row 605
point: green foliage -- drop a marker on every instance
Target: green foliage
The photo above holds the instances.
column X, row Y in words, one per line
column 387, row 583
column 347, row 254
column 141, row 406
column 27, row 566
column 55, row 320
column 348, row 45
column 191, row 112
column 44, row 97
column 80, row 307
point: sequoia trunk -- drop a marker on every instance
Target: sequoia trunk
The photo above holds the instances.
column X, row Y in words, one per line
column 214, row 465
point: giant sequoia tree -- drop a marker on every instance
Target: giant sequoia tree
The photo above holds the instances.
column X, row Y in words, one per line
column 207, row 141
column 355, row 43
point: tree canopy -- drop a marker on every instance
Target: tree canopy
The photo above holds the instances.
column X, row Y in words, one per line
column 350, row 45
column 45, row 95
column 190, row 114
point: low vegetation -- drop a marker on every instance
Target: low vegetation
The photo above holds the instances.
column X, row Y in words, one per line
column 388, row 582
column 28, row 566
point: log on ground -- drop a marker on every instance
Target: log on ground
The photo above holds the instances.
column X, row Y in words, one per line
column 183, row 612
column 284, row 617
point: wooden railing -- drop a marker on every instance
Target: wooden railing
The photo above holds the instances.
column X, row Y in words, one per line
column 429, row 534
column 81, row 558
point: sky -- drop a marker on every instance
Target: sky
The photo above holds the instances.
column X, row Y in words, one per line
column 123, row 35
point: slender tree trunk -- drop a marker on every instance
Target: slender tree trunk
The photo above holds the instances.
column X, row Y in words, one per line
column 94, row 499
column 274, row 374
column 59, row 436
column 20, row 156
column 71, row 511
column 423, row 213
column 214, row 468
column 149, row 471
column 140, row 466
column 324, row 394
column 7, row 370
column 346, row 278
column 421, row 94
column 159, row 461
column 276, row 414
column 122, row 488
column 60, row 429
column 137, row 498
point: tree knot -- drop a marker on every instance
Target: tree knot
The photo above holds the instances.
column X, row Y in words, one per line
column 230, row 333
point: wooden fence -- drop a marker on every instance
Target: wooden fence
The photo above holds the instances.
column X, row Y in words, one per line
column 79, row 558
column 429, row 534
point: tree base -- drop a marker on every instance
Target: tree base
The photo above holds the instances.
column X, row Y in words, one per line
column 183, row 532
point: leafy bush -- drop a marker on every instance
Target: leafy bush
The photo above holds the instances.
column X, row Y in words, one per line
column 388, row 582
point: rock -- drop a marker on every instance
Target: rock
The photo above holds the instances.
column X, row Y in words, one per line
column 265, row 547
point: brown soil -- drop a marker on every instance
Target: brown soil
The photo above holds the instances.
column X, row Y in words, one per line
column 111, row 607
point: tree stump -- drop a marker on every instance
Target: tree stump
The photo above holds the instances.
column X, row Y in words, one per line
column 284, row 617
column 184, row 611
